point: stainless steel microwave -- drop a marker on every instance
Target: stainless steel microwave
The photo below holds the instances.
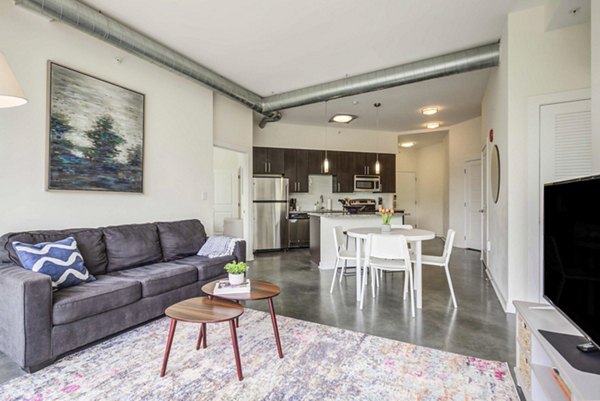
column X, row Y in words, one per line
column 367, row 183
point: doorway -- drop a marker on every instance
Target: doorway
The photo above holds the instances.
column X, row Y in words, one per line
column 228, row 206
column 484, row 191
column 472, row 205
column 406, row 196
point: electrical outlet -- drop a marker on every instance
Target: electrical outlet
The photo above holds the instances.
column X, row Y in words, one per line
column 204, row 195
column 489, row 246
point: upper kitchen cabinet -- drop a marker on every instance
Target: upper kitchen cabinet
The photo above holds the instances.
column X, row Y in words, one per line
column 267, row 160
column 296, row 162
column 344, row 171
column 364, row 163
column 315, row 162
column 387, row 163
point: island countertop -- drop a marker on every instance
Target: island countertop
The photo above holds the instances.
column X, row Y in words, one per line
column 337, row 214
column 322, row 245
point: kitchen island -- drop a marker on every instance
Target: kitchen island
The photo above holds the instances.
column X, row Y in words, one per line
column 322, row 245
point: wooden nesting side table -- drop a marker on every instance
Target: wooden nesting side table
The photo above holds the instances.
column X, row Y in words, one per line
column 204, row 310
column 258, row 290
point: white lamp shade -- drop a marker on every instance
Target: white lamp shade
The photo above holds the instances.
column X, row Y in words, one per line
column 11, row 94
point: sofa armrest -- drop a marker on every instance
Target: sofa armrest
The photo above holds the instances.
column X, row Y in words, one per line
column 239, row 251
column 25, row 315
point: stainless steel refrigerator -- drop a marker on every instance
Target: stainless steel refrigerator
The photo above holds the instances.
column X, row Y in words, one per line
column 270, row 213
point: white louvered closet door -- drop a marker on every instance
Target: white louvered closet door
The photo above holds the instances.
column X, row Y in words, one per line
column 565, row 141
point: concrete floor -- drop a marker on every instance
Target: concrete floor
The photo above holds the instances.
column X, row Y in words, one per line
column 478, row 327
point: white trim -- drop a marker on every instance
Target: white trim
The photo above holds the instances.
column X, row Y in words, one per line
column 503, row 303
column 465, row 203
column 534, row 241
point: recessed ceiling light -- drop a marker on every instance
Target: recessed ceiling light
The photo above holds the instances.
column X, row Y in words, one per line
column 433, row 125
column 429, row 111
column 342, row 118
column 407, row 144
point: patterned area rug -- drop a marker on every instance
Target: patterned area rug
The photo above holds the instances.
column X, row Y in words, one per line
column 320, row 363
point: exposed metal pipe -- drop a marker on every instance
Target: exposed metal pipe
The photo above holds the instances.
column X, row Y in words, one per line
column 449, row 64
column 274, row 117
column 93, row 22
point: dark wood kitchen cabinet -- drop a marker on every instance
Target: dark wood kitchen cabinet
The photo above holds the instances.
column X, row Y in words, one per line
column 344, row 172
column 387, row 163
column 267, row 160
column 296, row 162
column 364, row 163
column 315, row 162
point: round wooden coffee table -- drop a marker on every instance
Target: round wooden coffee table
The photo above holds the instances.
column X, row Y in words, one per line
column 204, row 310
column 258, row 290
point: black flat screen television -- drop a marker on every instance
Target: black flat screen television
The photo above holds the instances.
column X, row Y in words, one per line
column 572, row 252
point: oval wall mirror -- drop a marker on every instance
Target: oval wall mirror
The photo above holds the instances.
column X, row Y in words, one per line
column 495, row 173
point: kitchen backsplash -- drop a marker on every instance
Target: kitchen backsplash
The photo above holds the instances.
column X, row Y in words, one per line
column 322, row 185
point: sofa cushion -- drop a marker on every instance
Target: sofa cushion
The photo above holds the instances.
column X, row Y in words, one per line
column 131, row 245
column 208, row 268
column 104, row 294
column 159, row 277
column 179, row 239
column 89, row 241
column 61, row 260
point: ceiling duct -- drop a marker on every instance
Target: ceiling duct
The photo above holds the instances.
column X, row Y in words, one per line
column 436, row 67
column 93, row 22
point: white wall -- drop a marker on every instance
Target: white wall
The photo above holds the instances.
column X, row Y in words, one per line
column 533, row 62
column 177, row 144
column 233, row 131
column 464, row 144
column 282, row 135
column 432, row 171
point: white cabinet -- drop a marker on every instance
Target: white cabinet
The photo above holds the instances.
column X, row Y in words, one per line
column 536, row 357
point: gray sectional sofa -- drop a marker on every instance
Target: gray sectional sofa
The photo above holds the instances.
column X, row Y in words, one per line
column 140, row 270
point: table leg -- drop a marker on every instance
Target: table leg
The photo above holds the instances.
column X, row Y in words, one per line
column 275, row 329
column 236, row 351
column 237, row 319
column 168, row 349
column 204, row 333
column 200, row 336
column 418, row 275
column 358, row 267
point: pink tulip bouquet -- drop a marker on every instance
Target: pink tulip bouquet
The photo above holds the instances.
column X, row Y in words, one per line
column 386, row 215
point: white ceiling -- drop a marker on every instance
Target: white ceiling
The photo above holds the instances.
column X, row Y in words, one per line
column 272, row 46
column 458, row 98
column 422, row 139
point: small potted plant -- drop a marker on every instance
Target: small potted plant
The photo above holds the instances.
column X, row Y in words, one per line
column 386, row 216
column 236, row 272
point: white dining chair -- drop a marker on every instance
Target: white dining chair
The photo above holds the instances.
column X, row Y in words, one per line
column 342, row 254
column 384, row 252
column 443, row 261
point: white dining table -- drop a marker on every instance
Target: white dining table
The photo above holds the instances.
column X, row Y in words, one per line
column 414, row 236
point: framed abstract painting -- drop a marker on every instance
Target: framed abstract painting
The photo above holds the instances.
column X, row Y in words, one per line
column 96, row 133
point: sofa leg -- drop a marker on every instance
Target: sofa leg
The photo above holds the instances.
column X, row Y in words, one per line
column 45, row 364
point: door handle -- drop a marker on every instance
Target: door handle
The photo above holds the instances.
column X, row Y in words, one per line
column 266, row 168
column 269, row 167
column 481, row 211
column 299, row 187
column 368, row 169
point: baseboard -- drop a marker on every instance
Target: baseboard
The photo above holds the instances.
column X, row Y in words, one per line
column 497, row 291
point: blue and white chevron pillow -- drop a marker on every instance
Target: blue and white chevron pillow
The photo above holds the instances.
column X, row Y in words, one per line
column 61, row 260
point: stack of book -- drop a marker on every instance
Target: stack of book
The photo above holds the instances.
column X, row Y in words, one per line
column 224, row 287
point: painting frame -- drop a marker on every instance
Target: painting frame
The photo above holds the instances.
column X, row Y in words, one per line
column 101, row 151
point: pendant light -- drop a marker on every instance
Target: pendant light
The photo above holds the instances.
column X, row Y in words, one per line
column 11, row 94
column 326, row 161
column 377, row 164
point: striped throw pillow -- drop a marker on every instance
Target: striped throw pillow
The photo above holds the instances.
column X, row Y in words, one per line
column 61, row 260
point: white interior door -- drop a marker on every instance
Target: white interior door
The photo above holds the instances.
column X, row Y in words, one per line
column 473, row 204
column 406, row 196
column 484, row 192
column 565, row 152
column 227, row 198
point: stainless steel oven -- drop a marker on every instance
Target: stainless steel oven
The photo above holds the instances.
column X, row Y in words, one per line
column 367, row 183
